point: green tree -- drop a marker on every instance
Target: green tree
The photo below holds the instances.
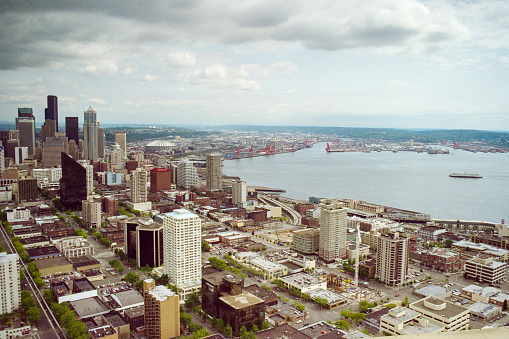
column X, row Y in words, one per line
column 185, row 318
column 265, row 325
column 193, row 300
column 342, row 325
column 201, row 333
column 33, row 314
column 220, row 325
column 248, row 335
column 228, row 331
column 254, row 329
column 205, row 247
column 131, row 278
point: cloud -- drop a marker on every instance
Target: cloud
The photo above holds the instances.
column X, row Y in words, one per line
column 181, row 59
column 220, row 76
column 101, row 67
column 150, row 78
column 37, row 34
column 26, row 92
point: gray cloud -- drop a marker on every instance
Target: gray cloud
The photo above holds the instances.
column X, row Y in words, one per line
column 35, row 34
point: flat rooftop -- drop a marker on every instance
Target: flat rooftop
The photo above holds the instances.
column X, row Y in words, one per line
column 52, row 262
column 283, row 331
column 128, row 297
column 89, row 307
column 450, row 310
column 431, row 290
column 242, row 300
column 301, row 279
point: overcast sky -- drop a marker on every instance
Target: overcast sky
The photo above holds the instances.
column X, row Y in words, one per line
column 359, row 63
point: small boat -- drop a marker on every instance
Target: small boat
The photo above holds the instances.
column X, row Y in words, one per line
column 465, row 175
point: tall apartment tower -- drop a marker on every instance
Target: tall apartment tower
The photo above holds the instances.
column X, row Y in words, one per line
column 121, row 140
column 187, row 175
column 27, row 134
column 72, row 129
column 182, row 250
column 239, row 192
column 162, row 311
column 90, row 135
column 392, row 259
column 2, row 161
column 333, row 229
column 91, row 211
column 139, row 192
column 10, row 289
column 214, row 172
column 51, row 112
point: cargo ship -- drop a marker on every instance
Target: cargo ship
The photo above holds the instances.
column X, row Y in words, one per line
column 465, row 175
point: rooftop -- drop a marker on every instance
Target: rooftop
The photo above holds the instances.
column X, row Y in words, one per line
column 302, row 279
column 161, row 293
column 127, row 298
column 284, row 331
column 89, row 307
column 483, row 308
column 432, row 290
column 242, row 300
column 180, row 214
column 439, row 307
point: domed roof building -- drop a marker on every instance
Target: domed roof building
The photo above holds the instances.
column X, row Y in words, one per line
column 159, row 145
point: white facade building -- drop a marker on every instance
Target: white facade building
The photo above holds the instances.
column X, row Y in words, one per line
column 20, row 154
column 75, row 246
column 19, row 213
column 91, row 135
column 90, row 175
column 182, row 250
column 483, row 268
column 10, row 289
column 239, row 192
column 187, row 175
column 139, row 192
column 333, row 229
column 53, row 174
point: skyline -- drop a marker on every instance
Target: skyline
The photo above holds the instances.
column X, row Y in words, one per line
column 390, row 64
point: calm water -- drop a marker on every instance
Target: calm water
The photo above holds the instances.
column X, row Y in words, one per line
column 408, row 180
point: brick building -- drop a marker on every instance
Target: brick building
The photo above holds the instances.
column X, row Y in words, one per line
column 442, row 260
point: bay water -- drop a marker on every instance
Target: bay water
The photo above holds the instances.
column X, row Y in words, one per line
column 407, row 180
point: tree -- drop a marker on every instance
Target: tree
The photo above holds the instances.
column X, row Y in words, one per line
column 265, row 325
column 194, row 299
column 342, row 325
column 33, row 314
column 131, row 278
column 248, row 335
column 205, row 247
column 228, row 331
column 448, row 243
column 185, row 318
column 220, row 325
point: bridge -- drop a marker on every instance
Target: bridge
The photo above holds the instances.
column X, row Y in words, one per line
column 293, row 214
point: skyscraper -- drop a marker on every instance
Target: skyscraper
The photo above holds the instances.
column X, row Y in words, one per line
column 27, row 134
column 162, row 311
column 182, row 250
column 239, row 192
column 72, row 129
column 24, row 113
column 90, row 135
column 392, row 258
column 333, row 229
column 121, row 140
column 2, row 161
column 48, row 129
column 73, row 185
column 214, row 172
column 139, row 186
column 10, row 289
column 187, row 175
column 160, row 179
column 51, row 112
column 101, row 142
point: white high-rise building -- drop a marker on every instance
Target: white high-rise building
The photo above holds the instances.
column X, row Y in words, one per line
column 239, row 192
column 392, row 259
column 139, row 192
column 182, row 250
column 121, row 140
column 10, row 289
column 333, row 229
column 91, row 210
column 214, row 172
column 187, row 175
column 90, row 175
column 20, row 154
column 90, row 135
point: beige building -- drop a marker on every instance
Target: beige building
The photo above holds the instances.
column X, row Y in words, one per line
column 139, row 191
column 405, row 321
column 306, row 241
column 483, row 268
column 72, row 247
column 392, row 259
column 162, row 311
column 350, row 250
column 239, row 192
column 214, row 172
column 91, row 211
column 333, row 228
column 370, row 238
column 444, row 313
column 121, row 140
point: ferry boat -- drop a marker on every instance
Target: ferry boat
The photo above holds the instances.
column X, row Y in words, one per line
column 465, row 175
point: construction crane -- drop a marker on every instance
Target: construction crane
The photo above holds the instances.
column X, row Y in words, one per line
column 357, row 245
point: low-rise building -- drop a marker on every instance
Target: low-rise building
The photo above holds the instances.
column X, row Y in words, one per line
column 442, row 260
column 73, row 246
column 431, row 232
column 303, row 282
column 270, row 270
column 484, row 311
column 485, row 269
column 480, row 248
column 405, row 321
column 487, row 294
column 351, row 252
column 372, row 320
column 444, row 313
column 333, row 299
